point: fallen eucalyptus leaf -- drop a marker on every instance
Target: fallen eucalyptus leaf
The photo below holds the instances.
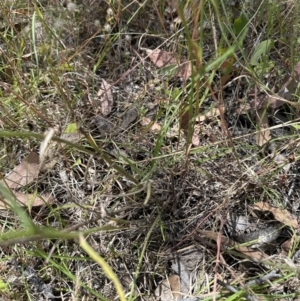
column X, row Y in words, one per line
column 25, row 173
column 281, row 215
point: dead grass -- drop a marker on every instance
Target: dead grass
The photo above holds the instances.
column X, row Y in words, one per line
column 157, row 126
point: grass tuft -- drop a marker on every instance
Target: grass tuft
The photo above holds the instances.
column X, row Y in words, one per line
column 157, row 124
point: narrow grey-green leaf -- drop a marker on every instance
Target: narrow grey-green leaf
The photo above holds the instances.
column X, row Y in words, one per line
column 262, row 49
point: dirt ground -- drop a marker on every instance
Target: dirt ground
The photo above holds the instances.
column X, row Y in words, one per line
column 166, row 134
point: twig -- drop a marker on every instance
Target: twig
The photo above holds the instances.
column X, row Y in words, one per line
column 235, row 290
column 259, row 281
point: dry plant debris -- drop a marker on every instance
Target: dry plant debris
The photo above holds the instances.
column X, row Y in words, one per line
column 105, row 98
column 281, row 215
column 163, row 59
column 167, row 111
column 24, row 173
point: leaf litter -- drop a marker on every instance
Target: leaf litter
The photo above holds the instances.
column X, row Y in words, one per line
column 24, row 173
column 29, row 169
column 281, row 215
column 31, row 200
column 180, row 285
column 154, row 126
column 196, row 189
column 162, row 59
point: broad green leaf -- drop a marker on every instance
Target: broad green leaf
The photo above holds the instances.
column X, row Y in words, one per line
column 262, row 49
column 3, row 286
column 240, row 27
column 77, row 162
column 71, row 128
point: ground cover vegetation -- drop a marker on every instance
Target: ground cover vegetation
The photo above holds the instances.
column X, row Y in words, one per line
column 149, row 150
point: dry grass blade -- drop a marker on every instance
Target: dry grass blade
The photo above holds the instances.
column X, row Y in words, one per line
column 105, row 97
column 45, row 144
column 263, row 135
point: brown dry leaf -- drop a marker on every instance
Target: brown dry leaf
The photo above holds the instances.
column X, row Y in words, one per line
column 30, row 200
column 155, row 127
column 162, row 58
column 255, row 255
column 281, row 215
column 169, row 289
column 185, row 70
column 105, row 97
column 212, row 113
column 24, row 173
column 263, row 135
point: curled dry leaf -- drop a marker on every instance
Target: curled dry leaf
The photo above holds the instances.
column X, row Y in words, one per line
column 281, row 215
column 24, row 173
column 105, row 97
